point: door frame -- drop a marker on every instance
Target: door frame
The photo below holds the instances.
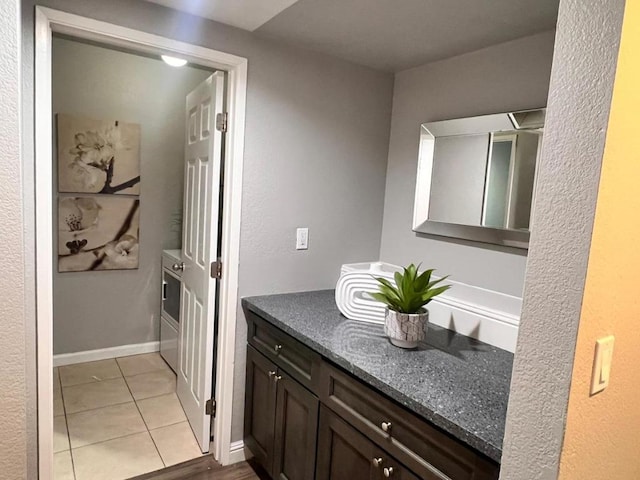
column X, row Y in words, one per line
column 48, row 21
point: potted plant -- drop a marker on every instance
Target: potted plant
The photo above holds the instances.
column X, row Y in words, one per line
column 406, row 318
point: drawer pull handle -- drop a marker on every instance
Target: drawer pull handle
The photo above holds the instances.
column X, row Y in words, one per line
column 388, row 471
column 277, row 349
column 271, row 374
column 377, row 462
column 277, row 378
column 386, row 427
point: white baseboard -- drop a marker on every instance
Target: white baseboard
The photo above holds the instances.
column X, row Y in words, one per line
column 489, row 316
column 237, row 452
column 104, row 353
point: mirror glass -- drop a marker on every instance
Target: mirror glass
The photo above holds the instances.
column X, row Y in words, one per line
column 479, row 172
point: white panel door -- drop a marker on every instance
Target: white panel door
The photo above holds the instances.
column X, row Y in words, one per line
column 203, row 160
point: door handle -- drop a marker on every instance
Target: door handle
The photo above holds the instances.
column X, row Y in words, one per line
column 178, row 267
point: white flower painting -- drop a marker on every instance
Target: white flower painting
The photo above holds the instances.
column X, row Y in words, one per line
column 98, row 156
column 98, row 233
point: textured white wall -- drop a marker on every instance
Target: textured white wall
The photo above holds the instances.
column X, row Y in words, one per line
column 13, row 421
column 107, row 309
column 317, row 136
column 579, row 101
column 506, row 77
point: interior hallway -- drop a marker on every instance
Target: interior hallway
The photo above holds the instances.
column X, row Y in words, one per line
column 118, row 418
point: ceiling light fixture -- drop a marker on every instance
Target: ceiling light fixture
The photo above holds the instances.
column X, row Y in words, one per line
column 174, row 61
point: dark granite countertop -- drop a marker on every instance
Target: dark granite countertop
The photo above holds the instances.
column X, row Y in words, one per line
column 453, row 381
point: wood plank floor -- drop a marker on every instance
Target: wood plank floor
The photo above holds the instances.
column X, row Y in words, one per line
column 204, row 468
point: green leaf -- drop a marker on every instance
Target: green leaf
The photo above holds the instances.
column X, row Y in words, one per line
column 389, row 301
column 427, row 297
column 398, row 278
column 435, row 282
column 412, row 289
column 380, row 297
column 406, row 287
column 412, row 270
column 386, row 283
column 423, row 280
column 391, row 293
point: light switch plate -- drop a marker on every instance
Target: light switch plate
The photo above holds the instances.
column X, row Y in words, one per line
column 302, row 239
column 602, row 364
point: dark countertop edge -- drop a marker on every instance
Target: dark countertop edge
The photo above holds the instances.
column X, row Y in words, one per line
column 449, row 427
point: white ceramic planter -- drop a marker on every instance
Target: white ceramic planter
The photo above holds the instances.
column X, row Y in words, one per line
column 406, row 330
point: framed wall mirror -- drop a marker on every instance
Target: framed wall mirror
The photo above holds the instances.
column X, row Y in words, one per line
column 476, row 177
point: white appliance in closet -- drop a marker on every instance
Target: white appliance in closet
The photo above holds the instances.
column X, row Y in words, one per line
column 170, row 310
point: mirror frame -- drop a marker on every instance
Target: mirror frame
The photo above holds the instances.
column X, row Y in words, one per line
column 475, row 233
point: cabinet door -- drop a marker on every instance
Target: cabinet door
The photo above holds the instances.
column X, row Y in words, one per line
column 296, row 429
column 260, row 408
column 343, row 453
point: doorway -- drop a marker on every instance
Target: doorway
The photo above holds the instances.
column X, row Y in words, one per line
column 51, row 21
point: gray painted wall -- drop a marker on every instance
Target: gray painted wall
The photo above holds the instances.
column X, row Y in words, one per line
column 506, row 77
column 457, row 179
column 497, row 184
column 107, row 309
column 577, row 117
column 587, row 43
column 14, row 281
column 317, row 136
column 525, row 172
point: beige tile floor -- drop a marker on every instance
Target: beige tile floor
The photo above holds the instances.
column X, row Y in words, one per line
column 115, row 419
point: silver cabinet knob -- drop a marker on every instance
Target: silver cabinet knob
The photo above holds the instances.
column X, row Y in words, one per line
column 277, row 349
column 178, row 267
column 386, row 427
column 277, row 378
column 377, row 462
column 271, row 374
column 388, row 471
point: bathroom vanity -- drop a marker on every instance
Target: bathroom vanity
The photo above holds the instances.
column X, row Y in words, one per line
column 331, row 398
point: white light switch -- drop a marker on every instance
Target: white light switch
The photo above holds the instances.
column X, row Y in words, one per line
column 602, row 364
column 302, row 239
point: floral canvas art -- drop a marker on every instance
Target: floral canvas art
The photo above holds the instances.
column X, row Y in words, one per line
column 98, row 233
column 98, row 156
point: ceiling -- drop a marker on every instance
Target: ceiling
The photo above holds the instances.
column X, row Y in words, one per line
column 245, row 14
column 389, row 35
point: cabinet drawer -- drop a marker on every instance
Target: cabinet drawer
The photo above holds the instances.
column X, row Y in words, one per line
column 421, row 446
column 300, row 362
column 345, row 454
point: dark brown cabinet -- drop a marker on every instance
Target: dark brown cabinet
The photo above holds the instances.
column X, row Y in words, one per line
column 425, row 449
column 307, row 419
column 346, row 454
column 299, row 361
column 260, row 408
column 281, row 420
column 295, row 430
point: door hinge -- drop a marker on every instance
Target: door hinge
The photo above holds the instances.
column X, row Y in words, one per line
column 221, row 122
column 216, row 269
column 210, row 407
